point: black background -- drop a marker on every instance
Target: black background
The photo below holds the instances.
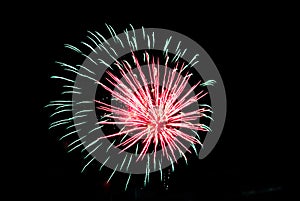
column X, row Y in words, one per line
column 245, row 43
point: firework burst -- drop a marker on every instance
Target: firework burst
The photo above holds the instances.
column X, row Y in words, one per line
column 147, row 104
column 153, row 108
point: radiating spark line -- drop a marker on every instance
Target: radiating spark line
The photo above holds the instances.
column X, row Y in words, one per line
column 112, row 32
column 206, row 127
column 76, row 141
column 52, row 126
column 172, row 164
column 99, row 127
column 148, row 41
column 134, row 43
column 134, row 37
column 91, row 144
column 94, row 42
column 143, row 32
column 127, row 182
column 83, row 102
column 68, row 134
column 93, row 50
column 123, row 162
column 76, row 147
column 62, row 101
column 66, row 65
column 74, row 125
column 191, row 62
column 54, row 104
column 196, row 55
column 183, row 53
column 148, row 167
column 124, row 137
column 207, row 116
column 136, row 150
column 114, row 51
column 58, row 77
column 73, row 87
column 197, row 135
column 106, row 64
column 128, row 40
column 205, row 105
column 104, row 163
column 104, row 39
column 99, row 41
column 195, row 150
column 178, row 45
column 183, row 155
column 153, row 40
column 209, row 83
column 160, row 170
column 154, row 161
column 145, row 178
column 83, row 111
column 110, row 145
column 112, row 173
column 55, row 113
column 72, row 48
column 62, row 106
column 71, row 92
column 87, row 165
column 128, row 163
column 116, row 36
column 89, row 58
column 92, row 151
column 166, row 45
column 176, row 57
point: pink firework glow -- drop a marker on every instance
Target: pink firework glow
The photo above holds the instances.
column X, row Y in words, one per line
column 153, row 107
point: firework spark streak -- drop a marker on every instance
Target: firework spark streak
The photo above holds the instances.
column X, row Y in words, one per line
column 149, row 97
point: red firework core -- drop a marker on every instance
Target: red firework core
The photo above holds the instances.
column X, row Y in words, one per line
column 153, row 107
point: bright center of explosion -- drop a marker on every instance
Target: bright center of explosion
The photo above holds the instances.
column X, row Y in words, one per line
column 158, row 120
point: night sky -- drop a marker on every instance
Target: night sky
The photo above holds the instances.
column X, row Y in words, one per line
column 246, row 163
